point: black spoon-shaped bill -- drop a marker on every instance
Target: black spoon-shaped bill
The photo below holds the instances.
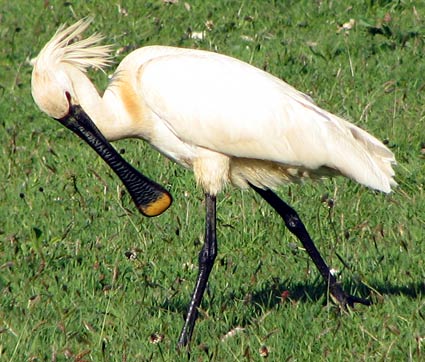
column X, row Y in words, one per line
column 150, row 198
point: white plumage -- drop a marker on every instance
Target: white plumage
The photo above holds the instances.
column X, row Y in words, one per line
column 224, row 118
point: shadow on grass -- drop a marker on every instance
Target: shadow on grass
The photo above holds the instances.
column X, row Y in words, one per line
column 272, row 294
column 411, row 290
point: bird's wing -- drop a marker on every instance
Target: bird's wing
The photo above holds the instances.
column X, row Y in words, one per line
column 220, row 103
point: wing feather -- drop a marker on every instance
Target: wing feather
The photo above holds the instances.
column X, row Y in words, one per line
column 228, row 106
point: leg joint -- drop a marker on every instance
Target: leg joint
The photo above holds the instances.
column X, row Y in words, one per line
column 207, row 255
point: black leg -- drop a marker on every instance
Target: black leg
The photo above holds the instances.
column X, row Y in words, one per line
column 206, row 262
column 296, row 226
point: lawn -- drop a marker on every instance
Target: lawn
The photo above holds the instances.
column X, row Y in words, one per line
column 84, row 277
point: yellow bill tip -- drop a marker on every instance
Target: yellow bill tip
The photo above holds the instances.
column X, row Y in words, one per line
column 158, row 206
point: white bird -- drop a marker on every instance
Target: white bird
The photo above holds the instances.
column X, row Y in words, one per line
column 224, row 119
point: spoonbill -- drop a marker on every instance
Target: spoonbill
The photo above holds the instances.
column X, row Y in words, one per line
column 227, row 121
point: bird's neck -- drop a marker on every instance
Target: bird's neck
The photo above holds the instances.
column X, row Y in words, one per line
column 100, row 111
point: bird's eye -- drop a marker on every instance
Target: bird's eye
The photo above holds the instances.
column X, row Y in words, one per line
column 68, row 97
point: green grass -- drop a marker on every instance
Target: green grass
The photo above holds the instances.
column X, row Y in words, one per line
column 70, row 292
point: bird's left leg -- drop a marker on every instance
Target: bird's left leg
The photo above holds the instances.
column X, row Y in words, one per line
column 296, row 226
column 206, row 262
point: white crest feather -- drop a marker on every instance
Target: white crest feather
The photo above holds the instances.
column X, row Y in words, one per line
column 82, row 54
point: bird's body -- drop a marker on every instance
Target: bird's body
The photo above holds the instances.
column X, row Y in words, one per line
column 208, row 111
column 229, row 121
column 226, row 120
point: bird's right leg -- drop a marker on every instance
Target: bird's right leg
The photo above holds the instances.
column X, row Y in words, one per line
column 296, row 226
column 206, row 262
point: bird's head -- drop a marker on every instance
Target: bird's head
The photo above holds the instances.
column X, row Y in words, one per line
column 52, row 90
column 56, row 66
column 58, row 80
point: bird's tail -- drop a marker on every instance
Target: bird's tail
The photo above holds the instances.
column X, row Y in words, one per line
column 372, row 164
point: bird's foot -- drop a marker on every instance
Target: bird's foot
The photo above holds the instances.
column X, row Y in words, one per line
column 182, row 344
column 344, row 299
